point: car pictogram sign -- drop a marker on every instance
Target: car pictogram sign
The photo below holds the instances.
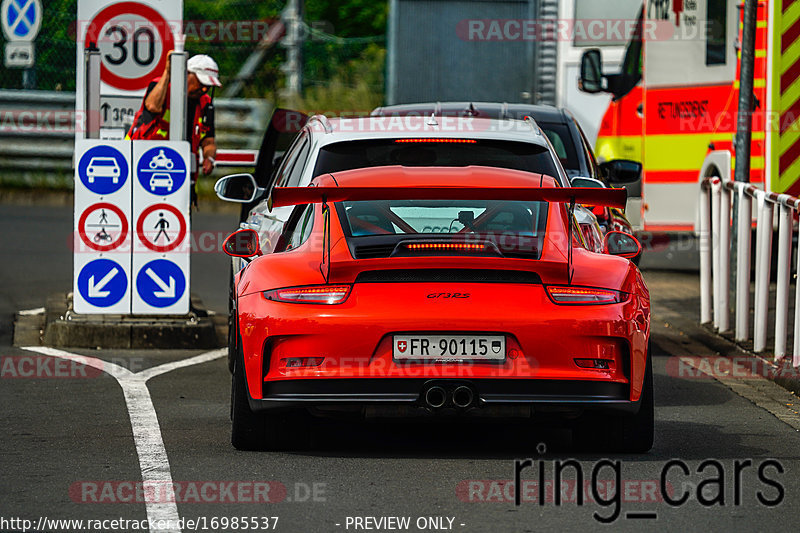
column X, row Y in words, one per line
column 103, row 170
column 161, row 171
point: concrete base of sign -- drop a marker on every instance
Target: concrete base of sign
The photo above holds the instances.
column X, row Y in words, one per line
column 57, row 325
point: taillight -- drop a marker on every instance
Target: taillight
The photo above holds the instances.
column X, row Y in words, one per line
column 447, row 246
column 432, row 140
column 584, row 295
column 317, row 294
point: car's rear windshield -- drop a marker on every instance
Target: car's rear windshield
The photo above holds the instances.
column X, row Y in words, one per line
column 562, row 142
column 350, row 155
column 515, row 228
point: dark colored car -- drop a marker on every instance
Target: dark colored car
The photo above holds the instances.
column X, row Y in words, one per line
column 565, row 135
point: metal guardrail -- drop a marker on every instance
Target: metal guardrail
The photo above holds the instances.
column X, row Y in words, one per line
column 715, row 273
column 37, row 131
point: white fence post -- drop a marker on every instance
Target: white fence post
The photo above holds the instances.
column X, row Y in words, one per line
column 705, row 252
column 782, row 281
column 796, row 345
column 715, row 246
column 724, row 252
column 763, row 263
column 743, row 265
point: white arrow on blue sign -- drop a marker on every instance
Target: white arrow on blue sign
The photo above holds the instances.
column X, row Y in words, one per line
column 160, row 283
column 21, row 19
column 102, row 282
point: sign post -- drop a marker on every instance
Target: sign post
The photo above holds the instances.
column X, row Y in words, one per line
column 161, row 247
column 102, row 236
column 21, row 21
column 132, row 234
column 133, row 38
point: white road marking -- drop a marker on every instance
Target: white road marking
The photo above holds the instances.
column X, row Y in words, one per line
column 175, row 365
column 31, row 312
column 153, row 460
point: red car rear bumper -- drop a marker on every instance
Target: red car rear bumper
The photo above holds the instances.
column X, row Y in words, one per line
column 352, row 342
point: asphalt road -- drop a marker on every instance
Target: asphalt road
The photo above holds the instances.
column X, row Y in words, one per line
column 70, row 443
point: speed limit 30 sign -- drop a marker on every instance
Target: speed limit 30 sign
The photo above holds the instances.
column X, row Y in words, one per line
column 133, row 37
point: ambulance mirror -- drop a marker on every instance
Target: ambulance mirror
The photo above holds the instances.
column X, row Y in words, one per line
column 621, row 171
column 591, row 71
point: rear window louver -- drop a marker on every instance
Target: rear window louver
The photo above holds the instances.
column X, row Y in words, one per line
column 373, row 251
column 448, row 275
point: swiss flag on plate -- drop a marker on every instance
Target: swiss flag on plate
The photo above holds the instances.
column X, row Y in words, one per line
column 401, row 345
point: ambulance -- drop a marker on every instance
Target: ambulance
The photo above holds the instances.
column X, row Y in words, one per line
column 675, row 103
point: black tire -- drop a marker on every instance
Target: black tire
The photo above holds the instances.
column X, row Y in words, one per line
column 252, row 431
column 233, row 325
column 248, row 429
column 621, row 433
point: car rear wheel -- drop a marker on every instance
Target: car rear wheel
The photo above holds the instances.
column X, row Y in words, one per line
column 253, row 431
column 621, row 433
column 248, row 429
column 233, row 321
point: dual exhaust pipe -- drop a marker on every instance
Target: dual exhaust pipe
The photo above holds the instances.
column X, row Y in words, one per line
column 437, row 397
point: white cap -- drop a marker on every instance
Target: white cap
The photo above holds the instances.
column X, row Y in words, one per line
column 205, row 69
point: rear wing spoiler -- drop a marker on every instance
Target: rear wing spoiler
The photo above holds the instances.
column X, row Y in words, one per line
column 286, row 196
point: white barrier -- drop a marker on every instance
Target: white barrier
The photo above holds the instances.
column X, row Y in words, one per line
column 715, row 245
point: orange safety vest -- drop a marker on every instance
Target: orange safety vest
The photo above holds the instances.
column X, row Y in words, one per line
column 158, row 128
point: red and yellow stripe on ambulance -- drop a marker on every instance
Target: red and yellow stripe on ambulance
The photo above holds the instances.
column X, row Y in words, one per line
column 784, row 98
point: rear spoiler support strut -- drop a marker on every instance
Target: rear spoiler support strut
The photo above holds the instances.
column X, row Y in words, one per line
column 571, row 216
column 325, row 266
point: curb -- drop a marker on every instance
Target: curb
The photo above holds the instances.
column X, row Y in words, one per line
column 58, row 326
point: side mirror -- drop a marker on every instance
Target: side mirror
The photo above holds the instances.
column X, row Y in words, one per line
column 622, row 171
column 582, row 181
column 622, row 244
column 242, row 243
column 239, row 188
column 591, row 80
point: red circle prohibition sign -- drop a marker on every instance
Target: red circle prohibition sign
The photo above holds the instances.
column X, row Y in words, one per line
column 155, row 18
column 153, row 246
column 102, row 247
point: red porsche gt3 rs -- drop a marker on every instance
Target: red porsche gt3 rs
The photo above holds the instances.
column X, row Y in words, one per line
column 465, row 291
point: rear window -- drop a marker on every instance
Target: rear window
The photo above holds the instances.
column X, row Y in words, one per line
column 350, row 155
column 516, row 229
column 562, row 143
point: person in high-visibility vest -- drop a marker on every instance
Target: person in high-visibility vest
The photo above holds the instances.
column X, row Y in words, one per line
column 152, row 120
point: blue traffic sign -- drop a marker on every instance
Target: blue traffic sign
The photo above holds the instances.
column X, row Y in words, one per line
column 21, row 19
column 103, row 170
column 161, row 171
column 160, row 283
column 102, row 283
